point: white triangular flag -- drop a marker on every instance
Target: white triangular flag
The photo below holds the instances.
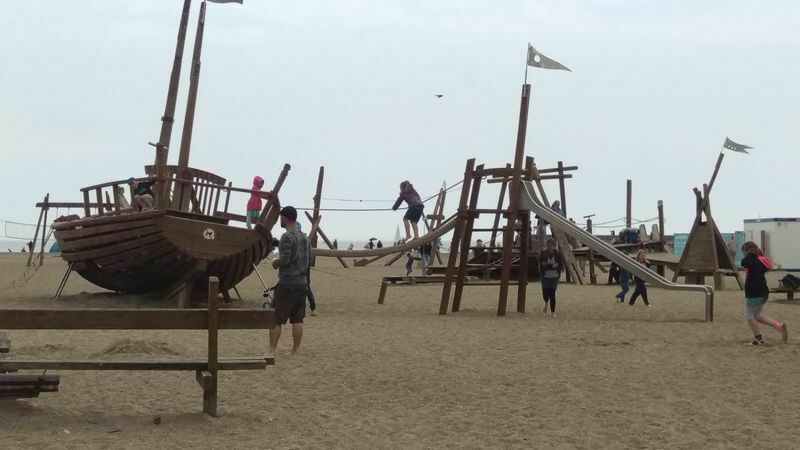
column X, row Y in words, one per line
column 536, row 59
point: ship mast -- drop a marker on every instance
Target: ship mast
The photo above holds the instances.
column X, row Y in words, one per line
column 183, row 192
column 162, row 148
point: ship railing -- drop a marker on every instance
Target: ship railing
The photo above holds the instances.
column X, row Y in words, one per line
column 110, row 198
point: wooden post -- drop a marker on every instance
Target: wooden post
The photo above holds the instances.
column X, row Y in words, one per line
column 38, row 224
column 516, row 175
column 466, row 239
column 210, row 388
column 44, row 228
column 99, row 195
column 661, row 222
column 325, row 238
column 269, row 215
column 628, row 199
column 592, row 274
column 315, row 218
column 87, row 212
column 191, row 103
column 459, row 228
column 562, row 188
column 498, row 214
column 228, row 196
column 522, row 270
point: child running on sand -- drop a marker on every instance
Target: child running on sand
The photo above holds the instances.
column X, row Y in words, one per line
column 415, row 207
column 550, row 268
column 756, row 292
column 641, row 288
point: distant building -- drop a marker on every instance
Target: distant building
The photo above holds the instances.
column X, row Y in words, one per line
column 779, row 238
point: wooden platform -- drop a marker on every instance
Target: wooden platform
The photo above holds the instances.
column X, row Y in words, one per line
column 417, row 280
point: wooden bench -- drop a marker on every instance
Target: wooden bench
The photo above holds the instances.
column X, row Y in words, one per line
column 784, row 290
column 24, row 386
column 212, row 319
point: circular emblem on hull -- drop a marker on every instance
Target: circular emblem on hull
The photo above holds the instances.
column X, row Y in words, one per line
column 209, row 234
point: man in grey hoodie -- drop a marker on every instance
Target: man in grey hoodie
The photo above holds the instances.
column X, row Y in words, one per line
column 292, row 288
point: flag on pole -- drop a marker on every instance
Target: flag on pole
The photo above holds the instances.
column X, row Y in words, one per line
column 730, row 145
column 536, row 59
column 241, row 2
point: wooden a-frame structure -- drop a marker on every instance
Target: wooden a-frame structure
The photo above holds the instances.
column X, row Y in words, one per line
column 705, row 252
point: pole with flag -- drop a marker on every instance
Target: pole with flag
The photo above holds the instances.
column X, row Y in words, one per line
column 727, row 145
column 536, row 59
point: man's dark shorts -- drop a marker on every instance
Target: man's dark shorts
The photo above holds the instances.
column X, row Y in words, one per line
column 414, row 213
column 290, row 303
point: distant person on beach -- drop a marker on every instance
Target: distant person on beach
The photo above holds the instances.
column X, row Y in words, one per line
column 425, row 255
column 30, row 246
column 380, row 244
column 415, row 208
column 350, row 247
column 335, row 244
column 550, row 272
column 756, row 292
column 613, row 274
column 254, row 203
column 640, row 288
column 142, row 193
column 624, row 280
column 290, row 293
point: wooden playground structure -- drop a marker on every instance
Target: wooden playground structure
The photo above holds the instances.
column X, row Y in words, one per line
column 186, row 238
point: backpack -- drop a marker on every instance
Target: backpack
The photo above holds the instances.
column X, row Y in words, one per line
column 790, row 281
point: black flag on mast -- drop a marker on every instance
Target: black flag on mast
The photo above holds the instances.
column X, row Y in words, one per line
column 536, row 59
column 730, row 145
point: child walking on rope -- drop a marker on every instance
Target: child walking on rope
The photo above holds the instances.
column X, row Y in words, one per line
column 550, row 270
column 756, row 292
column 641, row 288
column 415, row 207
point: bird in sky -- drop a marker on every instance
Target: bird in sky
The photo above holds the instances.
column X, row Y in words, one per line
column 439, row 95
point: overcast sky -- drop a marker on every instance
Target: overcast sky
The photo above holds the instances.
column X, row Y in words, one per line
column 350, row 85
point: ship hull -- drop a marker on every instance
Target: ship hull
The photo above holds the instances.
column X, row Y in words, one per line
column 149, row 251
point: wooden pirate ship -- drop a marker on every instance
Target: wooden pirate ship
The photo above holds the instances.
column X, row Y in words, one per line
column 187, row 236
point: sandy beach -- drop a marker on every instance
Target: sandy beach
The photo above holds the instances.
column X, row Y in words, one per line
column 600, row 375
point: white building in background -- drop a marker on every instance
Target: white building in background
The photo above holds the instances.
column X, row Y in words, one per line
column 779, row 238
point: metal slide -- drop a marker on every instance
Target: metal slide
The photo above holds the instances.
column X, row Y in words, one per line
column 529, row 200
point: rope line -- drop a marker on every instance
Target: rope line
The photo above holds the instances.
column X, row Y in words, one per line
column 372, row 209
column 446, row 226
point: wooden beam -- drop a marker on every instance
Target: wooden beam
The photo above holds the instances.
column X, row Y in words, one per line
column 162, row 364
column 461, row 217
column 327, row 241
column 133, row 319
column 315, row 218
column 514, row 189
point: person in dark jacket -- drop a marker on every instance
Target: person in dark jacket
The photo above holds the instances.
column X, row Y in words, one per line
column 756, row 292
column 550, row 272
column 640, row 288
column 415, row 207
